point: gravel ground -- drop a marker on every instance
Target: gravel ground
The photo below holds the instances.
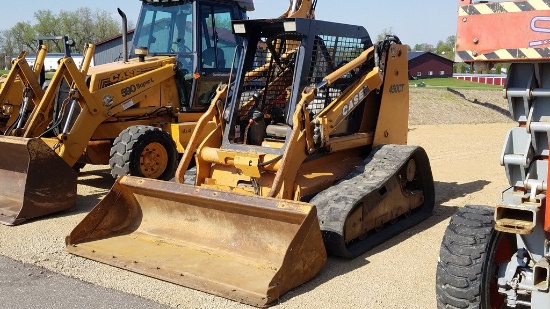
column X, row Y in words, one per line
column 398, row 274
column 441, row 106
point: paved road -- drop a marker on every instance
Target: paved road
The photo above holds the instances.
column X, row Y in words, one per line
column 27, row 286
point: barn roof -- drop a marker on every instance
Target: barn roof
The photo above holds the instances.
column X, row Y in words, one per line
column 415, row 54
column 131, row 31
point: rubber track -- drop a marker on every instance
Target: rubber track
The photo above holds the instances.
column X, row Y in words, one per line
column 461, row 258
column 335, row 203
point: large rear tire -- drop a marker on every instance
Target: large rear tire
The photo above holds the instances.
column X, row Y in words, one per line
column 469, row 257
column 144, row 151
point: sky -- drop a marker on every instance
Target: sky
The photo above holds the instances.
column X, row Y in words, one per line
column 427, row 21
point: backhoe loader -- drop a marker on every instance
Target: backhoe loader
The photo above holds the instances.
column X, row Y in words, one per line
column 305, row 156
column 135, row 115
column 19, row 88
column 23, row 87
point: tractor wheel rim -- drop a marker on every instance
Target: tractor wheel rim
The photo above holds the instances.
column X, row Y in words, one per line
column 153, row 160
column 503, row 253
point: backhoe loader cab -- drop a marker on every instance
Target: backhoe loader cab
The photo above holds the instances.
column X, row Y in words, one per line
column 198, row 33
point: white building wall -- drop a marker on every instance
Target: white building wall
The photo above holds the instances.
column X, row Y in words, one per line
column 50, row 63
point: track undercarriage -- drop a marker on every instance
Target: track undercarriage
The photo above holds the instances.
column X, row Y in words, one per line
column 390, row 192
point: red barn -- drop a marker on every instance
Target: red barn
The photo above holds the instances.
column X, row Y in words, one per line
column 429, row 65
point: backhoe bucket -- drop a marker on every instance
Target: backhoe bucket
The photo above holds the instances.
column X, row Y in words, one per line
column 246, row 248
column 34, row 180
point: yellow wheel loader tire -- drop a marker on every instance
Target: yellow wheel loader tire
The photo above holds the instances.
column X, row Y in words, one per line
column 470, row 254
column 144, row 151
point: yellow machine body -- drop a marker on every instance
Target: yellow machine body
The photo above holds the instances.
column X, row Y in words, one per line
column 153, row 91
column 261, row 214
column 20, row 84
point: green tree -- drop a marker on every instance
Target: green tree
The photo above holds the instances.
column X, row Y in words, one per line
column 105, row 26
column 7, row 42
column 24, row 36
column 451, row 41
column 424, row 47
column 446, row 48
column 385, row 32
column 81, row 25
column 49, row 25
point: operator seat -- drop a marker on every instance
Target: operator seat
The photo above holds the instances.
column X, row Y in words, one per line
column 209, row 58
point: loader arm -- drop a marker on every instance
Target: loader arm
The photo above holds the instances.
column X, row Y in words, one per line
column 28, row 75
column 43, row 113
column 213, row 112
column 337, row 111
column 302, row 135
column 392, row 123
column 300, row 9
column 97, row 106
column 22, row 75
column 74, row 142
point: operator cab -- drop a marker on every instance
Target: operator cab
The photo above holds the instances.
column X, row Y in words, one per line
column 278, row 60
column 199, row 34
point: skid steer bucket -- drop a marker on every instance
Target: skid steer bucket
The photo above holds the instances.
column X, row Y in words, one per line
column 246, row 248
column 34, row 180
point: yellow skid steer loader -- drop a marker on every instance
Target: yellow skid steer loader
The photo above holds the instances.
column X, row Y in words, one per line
column 310, row 148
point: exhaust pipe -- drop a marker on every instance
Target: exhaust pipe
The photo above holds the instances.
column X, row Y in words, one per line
column 124, row 35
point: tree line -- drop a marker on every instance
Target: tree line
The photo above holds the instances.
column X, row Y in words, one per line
column 82, row 25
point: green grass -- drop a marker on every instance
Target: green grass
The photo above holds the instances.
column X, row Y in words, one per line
column 430, row 83
column 452, row 83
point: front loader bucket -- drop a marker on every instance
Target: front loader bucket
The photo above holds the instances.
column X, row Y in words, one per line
column 34, row 180
column 246, row 248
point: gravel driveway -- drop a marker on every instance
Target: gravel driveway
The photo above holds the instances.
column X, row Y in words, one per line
column 463, row 137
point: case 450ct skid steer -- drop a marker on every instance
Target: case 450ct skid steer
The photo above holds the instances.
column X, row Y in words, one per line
column 310, row 148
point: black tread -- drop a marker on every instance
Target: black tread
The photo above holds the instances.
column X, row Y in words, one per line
column 335, row 203
column 78, row 166
column 122, row 160
column 463, row 258
column 190, row 176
